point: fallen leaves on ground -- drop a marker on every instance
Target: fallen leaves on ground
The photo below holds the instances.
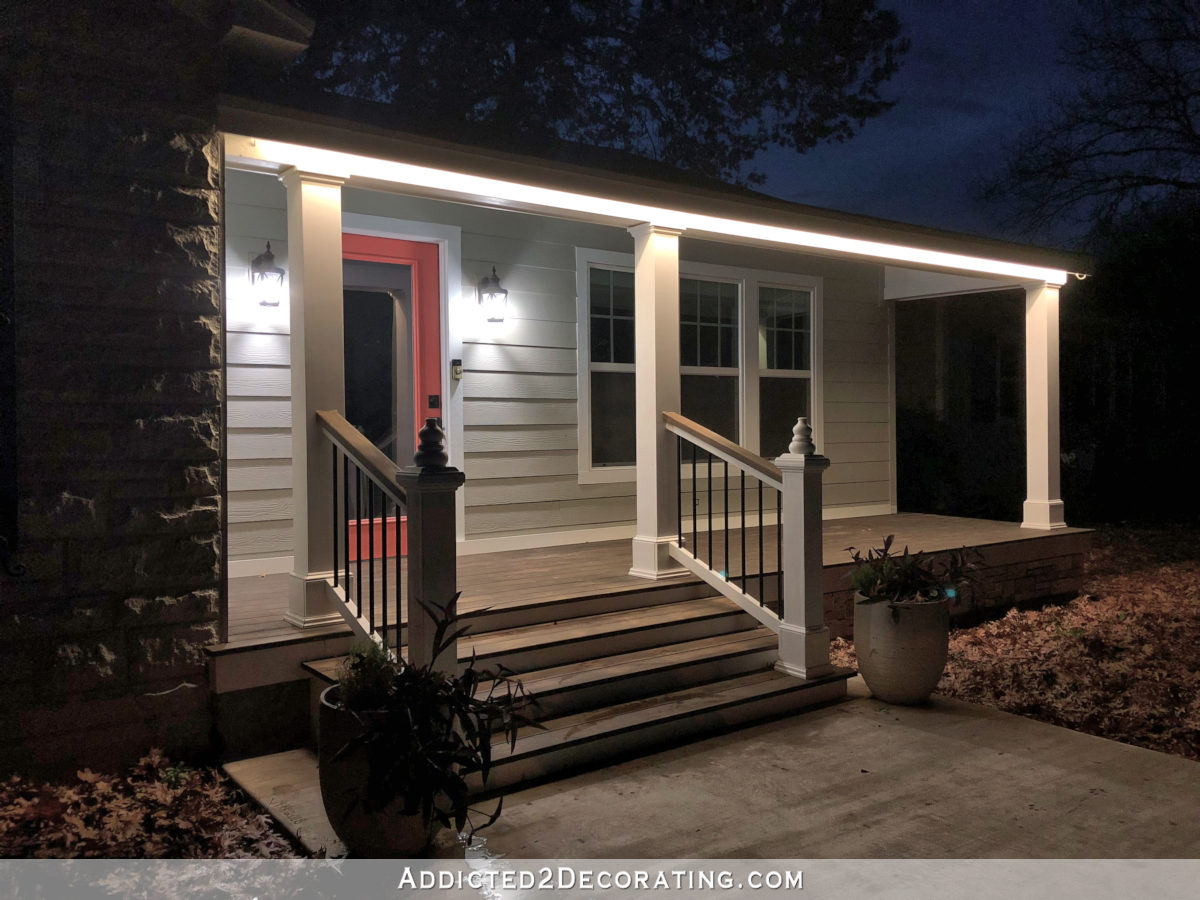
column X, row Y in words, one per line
column 156, row 810
column 1121, row 661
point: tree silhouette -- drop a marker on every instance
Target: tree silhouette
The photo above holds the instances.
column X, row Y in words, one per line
column 701, row 84
column 1128, row 136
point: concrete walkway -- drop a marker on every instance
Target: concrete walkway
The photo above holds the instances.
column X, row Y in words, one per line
column 864, row 779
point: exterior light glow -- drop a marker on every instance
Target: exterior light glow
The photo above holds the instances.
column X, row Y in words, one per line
column 479, row 188
column 493, row 299
column 266, row 277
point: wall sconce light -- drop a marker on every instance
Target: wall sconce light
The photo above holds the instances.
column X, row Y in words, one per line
column 266, row 277
column 493, row 299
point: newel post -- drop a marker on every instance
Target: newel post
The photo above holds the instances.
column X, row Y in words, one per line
column 803, row 635
column 432, row 562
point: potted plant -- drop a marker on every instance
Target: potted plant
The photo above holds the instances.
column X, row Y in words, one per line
column 902, row 617
column 397, row 744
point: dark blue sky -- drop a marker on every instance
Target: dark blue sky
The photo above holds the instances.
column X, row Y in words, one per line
column 976, row 72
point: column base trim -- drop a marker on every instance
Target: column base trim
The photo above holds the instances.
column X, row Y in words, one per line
column 1043, row 515
column 652, row 560
column 309, row 602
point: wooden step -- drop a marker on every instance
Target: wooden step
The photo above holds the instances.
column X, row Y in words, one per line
column 575, row 640
column 602, row 736
column 606, row 680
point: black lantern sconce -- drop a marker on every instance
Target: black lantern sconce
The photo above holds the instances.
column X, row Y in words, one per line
column 266, row 277
column 493, row 299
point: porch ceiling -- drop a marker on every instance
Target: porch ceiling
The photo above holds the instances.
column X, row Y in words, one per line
column 271, row 138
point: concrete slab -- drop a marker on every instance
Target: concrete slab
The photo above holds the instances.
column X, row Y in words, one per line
column 865, row 779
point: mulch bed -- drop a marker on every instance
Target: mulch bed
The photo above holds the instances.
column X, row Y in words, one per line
column 1121, row 661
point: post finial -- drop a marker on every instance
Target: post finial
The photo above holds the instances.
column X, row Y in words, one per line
column 802, row 443
column 431, row 451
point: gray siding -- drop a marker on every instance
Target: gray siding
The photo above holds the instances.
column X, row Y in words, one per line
column 257, row 379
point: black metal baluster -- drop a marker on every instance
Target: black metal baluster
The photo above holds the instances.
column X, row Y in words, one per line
column 371, row 552
column 761, row 564
column 695, row 505
column 346, row 524
column 708, row 489
column 400, row 580
column 725, row 512
column 743, row 529
column 358, row 548
column 335, row 521
column 779, row 548
column 679, row 490
column 383, row 517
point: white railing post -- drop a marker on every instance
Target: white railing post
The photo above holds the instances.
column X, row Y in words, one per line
column 430, row 486
column 803, row 635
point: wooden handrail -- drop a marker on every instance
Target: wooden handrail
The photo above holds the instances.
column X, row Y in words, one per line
column 365, row 455
column 723, row 447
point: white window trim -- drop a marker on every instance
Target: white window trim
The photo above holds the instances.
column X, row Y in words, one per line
column 748, row 370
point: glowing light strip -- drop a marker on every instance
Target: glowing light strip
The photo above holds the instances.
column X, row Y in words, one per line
column 345, row 165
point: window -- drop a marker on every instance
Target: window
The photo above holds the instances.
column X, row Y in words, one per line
column 610, row 332
column 708, row 354
column 748, row 352
column 785, row 363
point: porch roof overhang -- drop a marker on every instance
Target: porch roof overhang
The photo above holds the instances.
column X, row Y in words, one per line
column 269, row 137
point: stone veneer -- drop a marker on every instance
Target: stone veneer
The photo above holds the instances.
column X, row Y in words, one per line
column 117, row 214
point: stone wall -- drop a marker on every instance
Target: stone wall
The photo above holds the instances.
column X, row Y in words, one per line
column 1020, row 574
column 116, row 204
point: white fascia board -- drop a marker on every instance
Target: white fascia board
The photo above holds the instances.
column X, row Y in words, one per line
column 900, row 283
column 533, row 198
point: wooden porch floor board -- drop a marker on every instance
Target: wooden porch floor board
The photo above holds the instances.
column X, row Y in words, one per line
column 517, row 577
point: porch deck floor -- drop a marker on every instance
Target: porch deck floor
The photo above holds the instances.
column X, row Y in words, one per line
column 493, row 580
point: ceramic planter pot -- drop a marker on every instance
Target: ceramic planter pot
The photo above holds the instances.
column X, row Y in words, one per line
column 901, row 648
column 377, row 835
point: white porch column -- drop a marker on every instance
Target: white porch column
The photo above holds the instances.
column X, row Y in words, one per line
column 1043, row 505
column 656, row 358
column 314, row 209
column 803, row 634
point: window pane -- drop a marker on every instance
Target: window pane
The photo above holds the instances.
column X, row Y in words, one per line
column 622, row 293
column 688, row 345
column 785, row 325
column 708, row 346
column 780, row 402
column 711, row 400
column 622, row 340
column 601, row 340
column 613, row 435
column 600, row 292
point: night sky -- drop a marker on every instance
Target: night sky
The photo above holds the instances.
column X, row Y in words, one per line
column 977, row 70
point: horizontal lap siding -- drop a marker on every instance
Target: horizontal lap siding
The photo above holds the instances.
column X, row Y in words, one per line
column 257, row 376
column 857, row 389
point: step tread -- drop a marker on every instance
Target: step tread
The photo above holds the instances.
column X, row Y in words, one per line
column 616, row 666
column 634, row 714
column 494, row 643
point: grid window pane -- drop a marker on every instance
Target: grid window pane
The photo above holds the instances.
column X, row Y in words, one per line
column 785, row 326
column 708, row 323
column 610, row 299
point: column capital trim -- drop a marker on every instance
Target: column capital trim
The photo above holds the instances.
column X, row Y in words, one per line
column 645, row 229
column 293, row 176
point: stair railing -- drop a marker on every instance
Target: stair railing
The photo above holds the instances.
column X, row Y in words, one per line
column 784, row 494
column 368, row 491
